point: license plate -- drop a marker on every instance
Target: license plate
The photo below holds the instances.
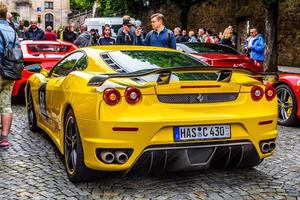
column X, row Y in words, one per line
column 184, row 133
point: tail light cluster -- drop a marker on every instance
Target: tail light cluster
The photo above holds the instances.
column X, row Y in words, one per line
column 112, row 96
column 257, row 93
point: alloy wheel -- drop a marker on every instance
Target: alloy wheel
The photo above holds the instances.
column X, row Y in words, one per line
column 285, row 104
column 71, row 145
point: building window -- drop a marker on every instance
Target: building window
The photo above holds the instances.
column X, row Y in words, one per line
column 49, row 20
column 48, row 5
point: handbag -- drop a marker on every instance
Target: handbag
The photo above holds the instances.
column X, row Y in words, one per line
column 12, row 60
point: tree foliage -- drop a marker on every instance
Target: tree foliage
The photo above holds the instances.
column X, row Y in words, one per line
column 81, row 4
column 108, row 8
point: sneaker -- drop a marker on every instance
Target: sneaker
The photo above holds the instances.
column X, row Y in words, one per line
column 4, row 143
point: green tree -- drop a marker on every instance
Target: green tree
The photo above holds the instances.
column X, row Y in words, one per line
column 110, row 8
column 271, row 18
column 81, row 4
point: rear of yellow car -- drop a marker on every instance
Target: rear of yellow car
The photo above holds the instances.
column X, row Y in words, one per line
column 182, row 125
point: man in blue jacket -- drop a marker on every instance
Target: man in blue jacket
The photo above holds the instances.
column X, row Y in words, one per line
column 160, row 36
column 255, row 44
column 6, row 86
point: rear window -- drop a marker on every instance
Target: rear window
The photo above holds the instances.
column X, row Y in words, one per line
column 130, row 61
column 209, row 48
column 48, row 48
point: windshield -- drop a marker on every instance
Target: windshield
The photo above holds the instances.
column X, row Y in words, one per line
column 209, row 48
column 131, row 61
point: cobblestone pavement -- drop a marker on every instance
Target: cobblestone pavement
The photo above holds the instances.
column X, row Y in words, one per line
column 33, row 169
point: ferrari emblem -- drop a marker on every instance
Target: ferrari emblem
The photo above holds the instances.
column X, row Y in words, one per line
column 200, row 98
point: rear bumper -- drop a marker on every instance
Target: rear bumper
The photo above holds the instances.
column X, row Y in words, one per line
column 157, row 138
column 153, row 125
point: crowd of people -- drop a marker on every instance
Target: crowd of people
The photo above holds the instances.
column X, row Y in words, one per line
column 132, row 33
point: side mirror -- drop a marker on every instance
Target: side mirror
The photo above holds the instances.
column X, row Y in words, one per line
column 35, row 68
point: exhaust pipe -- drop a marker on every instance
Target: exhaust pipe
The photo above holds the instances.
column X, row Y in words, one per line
column 107, row 157
column 265, row 147
column 121, row 157
column 272, row 145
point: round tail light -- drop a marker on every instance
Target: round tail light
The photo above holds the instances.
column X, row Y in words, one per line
column 111, row 96
column 132, row 95
column 257, row 93
column 270, row 93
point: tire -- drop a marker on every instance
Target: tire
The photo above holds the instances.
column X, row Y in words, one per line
column 287, row 106
column 32, row 122
column 73, row 151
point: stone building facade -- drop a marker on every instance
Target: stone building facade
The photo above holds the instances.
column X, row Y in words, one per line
column 50, row 12
column 242, row 15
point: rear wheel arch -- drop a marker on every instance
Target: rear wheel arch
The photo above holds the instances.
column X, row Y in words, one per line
column 32, row 119
column 77, row 171
column 280, row 83
column 66, row 109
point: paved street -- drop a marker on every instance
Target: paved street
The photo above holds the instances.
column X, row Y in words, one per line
column 33, row 169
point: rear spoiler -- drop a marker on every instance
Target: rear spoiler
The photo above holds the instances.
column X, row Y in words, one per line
column 224, row 74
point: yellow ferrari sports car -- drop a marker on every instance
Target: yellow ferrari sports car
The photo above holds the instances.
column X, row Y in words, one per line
column 151, row 110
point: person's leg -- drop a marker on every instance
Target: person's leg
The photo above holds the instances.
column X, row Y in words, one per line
column 6, row 120
column 6, row 112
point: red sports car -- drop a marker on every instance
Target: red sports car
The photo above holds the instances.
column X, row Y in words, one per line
column 288, row 93
column 219, row 55
column 288, row 86
column 46, row 53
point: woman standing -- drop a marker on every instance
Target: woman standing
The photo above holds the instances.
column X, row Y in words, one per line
column 106, row 39
column 227, row 37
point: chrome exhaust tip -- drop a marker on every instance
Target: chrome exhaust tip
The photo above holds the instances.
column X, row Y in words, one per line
column 265, row 147
column 107, row 157
column 272, row 145
column 121, row 157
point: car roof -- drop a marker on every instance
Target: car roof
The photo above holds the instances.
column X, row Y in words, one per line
column 49, row 42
